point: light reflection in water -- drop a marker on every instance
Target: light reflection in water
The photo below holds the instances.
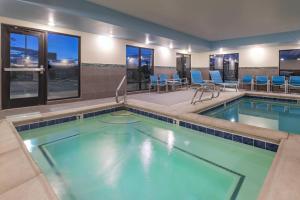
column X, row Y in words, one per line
column 29, row 145
column 146, row 154
column 170, row 141
column 110, row 165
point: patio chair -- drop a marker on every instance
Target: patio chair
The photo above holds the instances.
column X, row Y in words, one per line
column 262, row 80
column 196, row 77
column 247, row 80
column 217, row 79
column 278, row 81
column 153, row 82
column 162, row 82
column 294, row 83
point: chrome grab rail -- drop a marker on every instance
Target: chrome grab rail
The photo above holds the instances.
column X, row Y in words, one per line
column 118, row 89
column 24, row 69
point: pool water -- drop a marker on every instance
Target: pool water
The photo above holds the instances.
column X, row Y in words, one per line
column 265, row 113
column 124, row 156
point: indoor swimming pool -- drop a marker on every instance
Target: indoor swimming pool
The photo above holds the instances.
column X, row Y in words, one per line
column 123, row 155
column 276, row 114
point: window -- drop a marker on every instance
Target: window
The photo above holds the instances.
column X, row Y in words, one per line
column 139, row 63
column 227, row 64
column 289, row 62
column 63, row 66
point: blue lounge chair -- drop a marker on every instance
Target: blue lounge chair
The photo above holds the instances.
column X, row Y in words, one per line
column 247, row 80
column 262, row 80
column 217, row 79
column 153, row 82
column 196, row 77
column 294, row 82
column 162, row 82
column 278, row 81
column 179, row 81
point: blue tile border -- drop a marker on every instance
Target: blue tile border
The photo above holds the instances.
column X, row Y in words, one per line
column 152, row 115
column 50, row 122
column 41, row 124
column 231, row 136
column 211, row 131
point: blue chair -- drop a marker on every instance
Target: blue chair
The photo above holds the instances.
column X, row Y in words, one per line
column 153, row 82
column 278, row 81
column 294, row 82
column 162, row 82
column 196, row 78
column 247, row 80
column 262, row 80
column 217, row 79
column 179, row 81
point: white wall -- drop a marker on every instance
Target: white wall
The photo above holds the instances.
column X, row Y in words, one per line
column 103, row 49
column 250, row 56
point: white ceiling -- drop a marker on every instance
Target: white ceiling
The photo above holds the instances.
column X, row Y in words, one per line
column 215, row 19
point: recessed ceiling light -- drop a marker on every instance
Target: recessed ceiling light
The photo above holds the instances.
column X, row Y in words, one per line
column 51, row 24
column 282, row 59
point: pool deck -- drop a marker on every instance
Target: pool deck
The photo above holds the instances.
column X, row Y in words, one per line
column 20, row 178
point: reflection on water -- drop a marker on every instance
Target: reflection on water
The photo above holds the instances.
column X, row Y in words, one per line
column 109, row 166
column 170, row 141
column 146, row 154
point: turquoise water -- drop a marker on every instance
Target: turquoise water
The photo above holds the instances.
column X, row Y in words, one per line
column 126, row 156
column 263, row 113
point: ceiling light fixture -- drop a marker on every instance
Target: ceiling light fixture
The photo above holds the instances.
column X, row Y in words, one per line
column 171, row 45
column 51, row 20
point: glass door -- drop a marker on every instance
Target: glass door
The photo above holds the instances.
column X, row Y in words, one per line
column 183, row 66
column 226, row 64
column 23, row 59
column 139, row 63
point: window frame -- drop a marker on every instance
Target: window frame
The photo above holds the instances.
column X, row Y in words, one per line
column 79, row 65
column 279, row 68
column 223, row 54
column 140, row 60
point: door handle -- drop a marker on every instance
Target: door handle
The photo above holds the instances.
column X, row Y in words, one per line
column 24, row 69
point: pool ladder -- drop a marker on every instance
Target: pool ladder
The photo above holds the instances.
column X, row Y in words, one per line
column 119, row 88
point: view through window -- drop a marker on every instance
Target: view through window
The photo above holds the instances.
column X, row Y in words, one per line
column 139, row 63
column 63, row 66
column 289, row 64
column 227, row 64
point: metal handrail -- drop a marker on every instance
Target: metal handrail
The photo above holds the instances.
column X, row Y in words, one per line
column 118, row 89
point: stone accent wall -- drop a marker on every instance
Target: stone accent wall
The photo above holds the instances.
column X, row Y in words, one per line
column 165, row 70
column 254, row 71
column 100, row 80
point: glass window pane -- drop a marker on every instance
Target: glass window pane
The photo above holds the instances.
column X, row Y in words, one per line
column 24, row 50
column 63, row 66
column 24, row 84
column 132, row 61
column 146, row 67
column 290, row 62
column 139, row 66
